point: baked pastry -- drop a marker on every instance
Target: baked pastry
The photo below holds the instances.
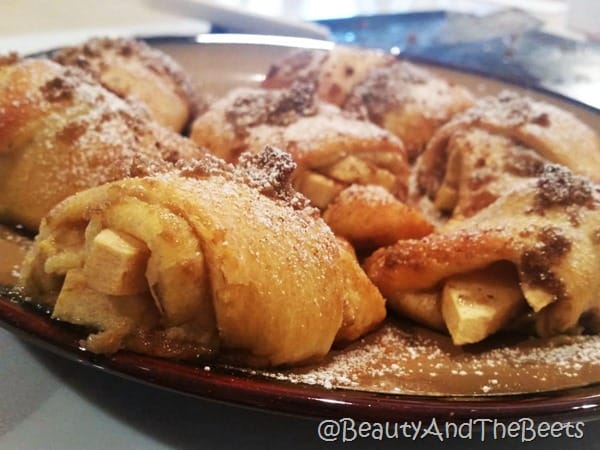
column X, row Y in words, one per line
column 133, row 70
column 481, row 154
column 332, row 151
column 201, row 262
column 334, row 73
column 408, row 101
column 61, row 132
column 535, row 251
column 371, row 217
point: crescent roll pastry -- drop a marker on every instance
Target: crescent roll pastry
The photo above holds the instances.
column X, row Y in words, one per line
column 535, row 249
column 335, row 73
column 61, row 132
column 332, row 152
column 131, row 69
column 328, row 147
column 370, row 217
column 408, row 101
column 198, row 263
column 481, row 154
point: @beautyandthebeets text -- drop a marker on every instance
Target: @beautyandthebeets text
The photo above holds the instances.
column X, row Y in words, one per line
column 523, row 430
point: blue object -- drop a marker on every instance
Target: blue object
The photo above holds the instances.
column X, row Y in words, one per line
column 507, row 45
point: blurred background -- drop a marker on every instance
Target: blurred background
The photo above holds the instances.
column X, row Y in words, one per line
column 549, row 44
column 29, row 25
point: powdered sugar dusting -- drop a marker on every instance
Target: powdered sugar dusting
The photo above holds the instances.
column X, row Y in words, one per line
column 96, row 55
column 403, row 359
column 84, row 135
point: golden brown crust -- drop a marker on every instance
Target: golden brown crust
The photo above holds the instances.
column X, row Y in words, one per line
column 132, row 69
column 513, row 136
column 229, row 270
column 546, row 227
column 408, row 101
column 299, row 65
column 316, row 135
column 370, row 217
column 60, row 132
column 334, row 73
column 364, row 307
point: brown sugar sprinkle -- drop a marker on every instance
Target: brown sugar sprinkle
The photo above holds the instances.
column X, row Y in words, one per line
column 509, row 109
column 72, row 132
column 270, row 172
column 300, row 65
column 555, row 245
column 558, row 186
column 209, row 165
column 524, row 163
column 542, row 120
column 275, row 107
column 536, row 263
column 58, row 89
column 383, row 89
column 90, row 57
column 11, row 58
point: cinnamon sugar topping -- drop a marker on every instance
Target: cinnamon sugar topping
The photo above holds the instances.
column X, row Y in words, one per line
column 390, row 360
column 7, row 60
column 384, row 88
column 558, row 186
column 536, row 263
column 207, row 166
column 509, row 109
column 58, row 89
column 276, row 107
column 91, row 57
column 270, row 172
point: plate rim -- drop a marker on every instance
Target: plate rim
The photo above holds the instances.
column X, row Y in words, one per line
column 223, row 384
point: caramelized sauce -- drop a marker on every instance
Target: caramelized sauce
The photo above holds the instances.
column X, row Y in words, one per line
column 13, row 247
column 401, row 358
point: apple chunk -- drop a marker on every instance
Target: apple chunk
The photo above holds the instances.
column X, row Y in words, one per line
column 116, row 264
column 477, row 304
column 319, row 189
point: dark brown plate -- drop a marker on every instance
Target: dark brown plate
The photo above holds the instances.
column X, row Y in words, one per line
column 230, row 385
column 242, row 60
